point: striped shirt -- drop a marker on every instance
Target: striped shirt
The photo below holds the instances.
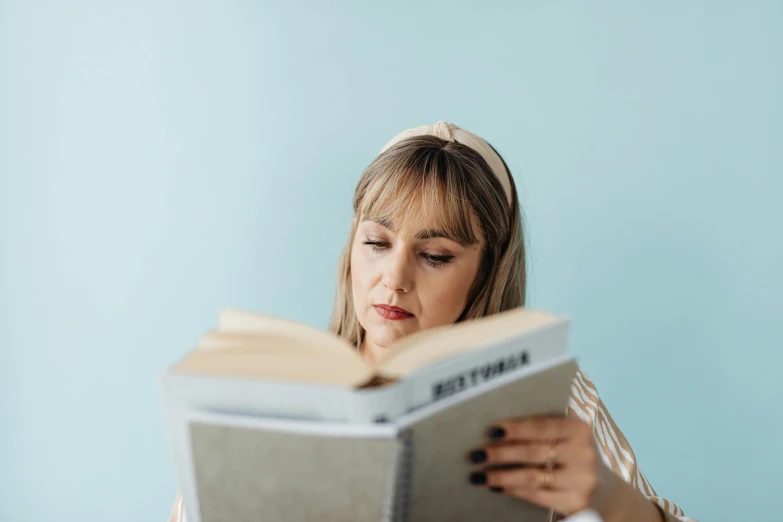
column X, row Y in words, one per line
column 615, row 450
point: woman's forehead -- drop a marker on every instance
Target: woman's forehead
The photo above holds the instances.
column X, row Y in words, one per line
column 415, row 206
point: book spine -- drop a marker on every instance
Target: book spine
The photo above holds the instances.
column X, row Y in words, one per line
column 398, row 504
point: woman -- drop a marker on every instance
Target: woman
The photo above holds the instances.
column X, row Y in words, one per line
column 437, row 238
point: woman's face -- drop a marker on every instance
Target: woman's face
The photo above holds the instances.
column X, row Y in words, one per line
column 404, row 281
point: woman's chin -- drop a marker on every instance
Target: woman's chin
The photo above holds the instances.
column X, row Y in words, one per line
column 384, row 336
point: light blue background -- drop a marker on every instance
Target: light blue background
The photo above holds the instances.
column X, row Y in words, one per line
column 161, row 160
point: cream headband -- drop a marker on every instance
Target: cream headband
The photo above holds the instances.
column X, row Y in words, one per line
column 450, row 132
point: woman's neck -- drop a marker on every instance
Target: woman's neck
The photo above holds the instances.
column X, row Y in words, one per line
column 369, row 352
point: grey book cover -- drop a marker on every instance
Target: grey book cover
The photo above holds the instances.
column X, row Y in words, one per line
column 439, row 487
column 418, row 472
column 250, row 475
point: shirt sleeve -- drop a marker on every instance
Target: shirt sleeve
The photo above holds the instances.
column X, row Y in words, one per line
column 616, row 452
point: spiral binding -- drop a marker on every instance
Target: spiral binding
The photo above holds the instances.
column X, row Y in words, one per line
column 399, row 498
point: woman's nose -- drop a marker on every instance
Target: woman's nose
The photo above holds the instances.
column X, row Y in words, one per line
column 397, row 273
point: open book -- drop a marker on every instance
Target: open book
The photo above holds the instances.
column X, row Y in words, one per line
column 272, row 420
column 257, row 346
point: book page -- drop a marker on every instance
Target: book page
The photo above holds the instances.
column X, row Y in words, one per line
column 271, row 342
column 464, row 371
column 420, row 349
column 232, row 320
column 285, row 365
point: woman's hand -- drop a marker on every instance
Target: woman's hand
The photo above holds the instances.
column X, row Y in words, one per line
column 555, row 463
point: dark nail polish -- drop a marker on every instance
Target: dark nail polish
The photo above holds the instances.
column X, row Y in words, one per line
column 478, row 456
column 496, row 432
column 496, row 489
column 478, row 478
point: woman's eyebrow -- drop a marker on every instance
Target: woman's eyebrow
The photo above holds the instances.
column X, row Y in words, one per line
column 424, row 234
column 434, row 233
column 429, row 233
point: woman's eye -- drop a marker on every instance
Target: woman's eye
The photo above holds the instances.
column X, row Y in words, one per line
column 376, row 246
column 430, row 259
column 434, row 260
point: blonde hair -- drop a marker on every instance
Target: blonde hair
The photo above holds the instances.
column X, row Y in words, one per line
column 428, row 179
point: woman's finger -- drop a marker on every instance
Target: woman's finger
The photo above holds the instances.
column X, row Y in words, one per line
column 535, row 453
column 543, row 429
column 536, row 478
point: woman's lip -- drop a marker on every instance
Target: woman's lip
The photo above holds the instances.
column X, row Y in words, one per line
column 395, row 313
column 394, row 308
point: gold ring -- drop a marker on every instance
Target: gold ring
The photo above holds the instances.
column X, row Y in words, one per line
column 551, row 460
column 545, row 480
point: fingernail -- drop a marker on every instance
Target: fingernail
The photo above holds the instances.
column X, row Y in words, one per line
column 478, row 456
column 496, row 489
column 478, row 478
column 496, row 432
